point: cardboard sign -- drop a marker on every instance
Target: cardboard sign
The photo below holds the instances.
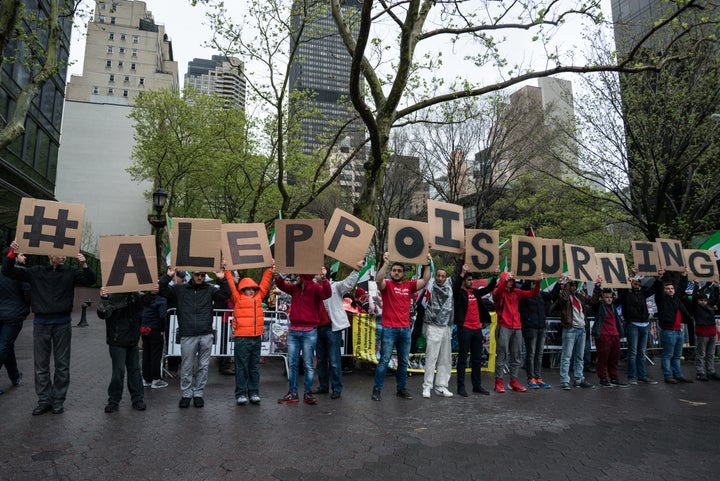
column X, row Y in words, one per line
column 347, row 238
column 482, row 250
column 245, row 246
column 48, row 227
column 581, row 262
column 525, row 257
column 446, row 224
column 128, row 262
column 407, row 241
column 613, row 270
column 671, row 254
column 551, row 255
column 195, row 244
column 299, row 246
column 645, row 258
column 701, row 265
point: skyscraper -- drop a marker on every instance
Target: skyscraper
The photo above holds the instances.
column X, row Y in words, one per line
column 220, row 75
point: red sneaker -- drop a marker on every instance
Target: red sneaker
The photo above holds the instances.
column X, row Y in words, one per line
column 515, row 385
column 499, row 385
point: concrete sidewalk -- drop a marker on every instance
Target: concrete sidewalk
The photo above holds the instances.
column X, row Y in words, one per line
column 661, row 432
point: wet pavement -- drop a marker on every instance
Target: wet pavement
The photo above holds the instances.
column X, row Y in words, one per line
column 660, row 432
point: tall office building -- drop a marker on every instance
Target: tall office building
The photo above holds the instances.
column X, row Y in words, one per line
column 220, row 75
column 126, row 53
column 28, row 166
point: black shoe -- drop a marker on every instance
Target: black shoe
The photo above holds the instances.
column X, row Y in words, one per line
column 618, row 383
column 320, row 391
column 139, row 406
column 605, row 383
column 184, row 402
column 58, row 409
column 198, row 402
column 404, row 393
column 461, row 391
column 335, row 395
column 41, row 409
column 376, row 395
column 714, row 377
column 701, row 377
column 481, row 390
column 111, row 408
column 16, row 381
column 683, row 379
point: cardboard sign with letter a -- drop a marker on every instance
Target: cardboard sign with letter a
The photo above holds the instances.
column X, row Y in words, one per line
column 613, row 270
column 482, row 250
column 407, row 241
column 645, row 257
column 299, row 246
column 701, row 265
column 245, row 246
column 446, row 224
column 128, row 262
column 195, row 244
column 347, row 238
column 47, row 227
column 526, row 257
column 581, row 263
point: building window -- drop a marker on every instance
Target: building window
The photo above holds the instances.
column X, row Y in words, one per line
column 111, row 36
column 101, row 19
column 126, row 79
column 112, row 20
column 102, row 6
column 108, row 63
column 120, row 64
column 122, row 36
column 122, row 50
column 112, row 77
column 132, row 66
column 114, row 6
column 136, row 38
column 142, row 81
column 134, row 52
column 111, row 91
column 109, row 49
column 125, row 93
column 95, row 90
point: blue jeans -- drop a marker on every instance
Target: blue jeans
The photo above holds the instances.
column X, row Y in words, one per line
column 672, row 343
column 398, row 338
column 52, row 339
column 329, row 362
column 125, row 359
column 9, row 331
column 301, row 341
column 573, row 346
column 637, row 347
column 247, row 365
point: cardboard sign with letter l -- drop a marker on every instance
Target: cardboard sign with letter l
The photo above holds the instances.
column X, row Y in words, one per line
column 195, row 244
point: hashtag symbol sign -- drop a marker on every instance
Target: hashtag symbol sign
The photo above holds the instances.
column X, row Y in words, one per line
column 38, row 220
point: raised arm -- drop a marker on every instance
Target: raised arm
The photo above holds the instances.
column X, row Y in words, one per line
column 426, row 273
column 382, row 271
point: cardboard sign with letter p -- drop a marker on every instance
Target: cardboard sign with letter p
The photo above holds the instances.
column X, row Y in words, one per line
column 347, row 238
column 299, row 245
column 47, row 227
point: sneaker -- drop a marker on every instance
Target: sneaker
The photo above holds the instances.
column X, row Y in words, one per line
column 254, row 399
column 670, row 380
column 462, row 392
column 584, row 384
column 139, row 406
column 632, row 381
column 184, row 402
column 376, row 395
column 111, row 408
column 532, row 383
column 542, row 384
column 289, row 398
column 198, row 402
column 481, row 390
column 242, row 400
column 619, row 383
column 605, row 383
column 443, row 391
column 404, row 393
column 426, row 393
column 320, row 391
column 158, row 384
column 309, row 398
column 515, row 385
column 147, row 383
column 701, row 377
column 335, row 395
column 647, row 381
column 499, row 387
column 565, row 386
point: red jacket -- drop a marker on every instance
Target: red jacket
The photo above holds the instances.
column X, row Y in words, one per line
column 248, row 314
column 306, row 302
column 507, row 302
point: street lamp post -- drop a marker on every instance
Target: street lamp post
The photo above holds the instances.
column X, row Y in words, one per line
column 157, row 221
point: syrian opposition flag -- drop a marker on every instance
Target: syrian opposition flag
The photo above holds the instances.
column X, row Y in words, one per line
column 168, row 221
column 368, row 271
column 712, row 244
column 272, row 236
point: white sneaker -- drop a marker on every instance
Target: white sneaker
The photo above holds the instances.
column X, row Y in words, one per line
column 443, row 391
column 158, row 384
column 242, row 400
column 426, row 392
column 255, row 399
column 146, row 384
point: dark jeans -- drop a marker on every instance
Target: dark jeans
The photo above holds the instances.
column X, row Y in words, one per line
column 247, row 366
column 328, row 359
column 534, row 347
column 470, row 340
column 52, row 339
column 125, row 358
column 9, row 331
column 152, row 355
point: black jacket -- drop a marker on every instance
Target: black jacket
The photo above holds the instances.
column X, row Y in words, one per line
column 122, row 318
column 533, row 314
column 52, row 289
column 600, row 314
column 460, row 296
column 154, row 312
column 194, row 304
column 634, row 305
column 704, row 315
column 14, row 299
column 668, row 306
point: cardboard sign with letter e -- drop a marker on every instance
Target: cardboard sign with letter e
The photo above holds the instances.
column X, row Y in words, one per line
column 195, row 244
column 245, row 246
column 407, row 241
column 51, row 228
column 128, row 262
column 446, row 223
column 347, row 238
column 701, row 265
column 299, row 246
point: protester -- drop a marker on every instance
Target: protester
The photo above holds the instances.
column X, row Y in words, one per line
column 705, row 336
column 437, row 329
column 14, row 308
column 470, row 316
column 248, row 324
column 173, row 362
column 607, row 331
column 671, row 313
column 52, row 292
column 396, row 300
column 195, row 302
column 533, row 318
column 122, row 314
column 305, row 307
column 633, row 302
column 152, row 329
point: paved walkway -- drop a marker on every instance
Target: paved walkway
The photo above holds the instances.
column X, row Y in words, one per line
column 662, row 432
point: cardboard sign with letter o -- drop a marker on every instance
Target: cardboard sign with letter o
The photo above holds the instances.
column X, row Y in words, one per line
column 407, row 241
